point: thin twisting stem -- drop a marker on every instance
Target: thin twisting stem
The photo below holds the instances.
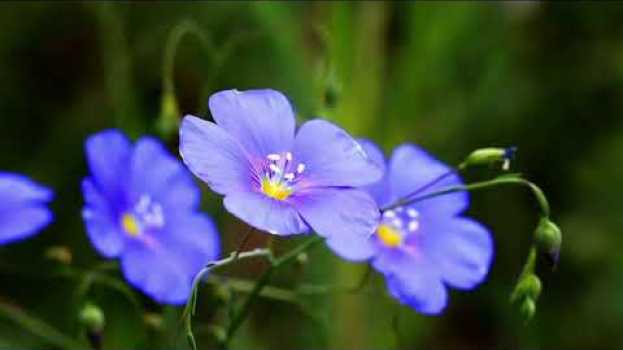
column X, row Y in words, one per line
column 191, row 306
column 501, row 180
column 240, row 316
column 39, row 328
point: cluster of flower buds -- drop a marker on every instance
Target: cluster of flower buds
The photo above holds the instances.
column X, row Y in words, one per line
column 526, row 293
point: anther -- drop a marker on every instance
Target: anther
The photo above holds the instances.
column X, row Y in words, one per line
column 288, row 156
column 273, row 157
column 389, row 214
column 300, row 168
column 412, row 213
column 413, row 225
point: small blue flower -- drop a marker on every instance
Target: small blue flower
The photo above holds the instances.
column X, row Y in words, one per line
column 275, row 180
column 23, row 207
column 427, row 246
column 141, row 205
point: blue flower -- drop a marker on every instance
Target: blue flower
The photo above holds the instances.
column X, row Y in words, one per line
column 427, row 246
column 23, row 207
column 141, row 205
column 275, row 180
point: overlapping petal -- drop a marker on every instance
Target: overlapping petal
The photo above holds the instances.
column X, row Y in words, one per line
column 462, row 251
column 264, row 213
column 412, row 169
column 339, row 213
column 332, row 157
column 214, row 156
column 261, row 120
column 418, row 287
column 108, row 154
column 155, row 171
column 102, row 221
column 380, row 189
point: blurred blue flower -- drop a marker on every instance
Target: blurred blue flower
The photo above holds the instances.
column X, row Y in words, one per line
column 23, row 207
column 141, row 205
column 426, row 246
column 274, row 180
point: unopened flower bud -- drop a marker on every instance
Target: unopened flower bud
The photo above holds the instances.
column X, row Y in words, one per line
column 529, row 286
column 302, row 258
column 549, row 238
column 169, row 114
column 93, row 318
column 490, row 155
column 60, row 254
column 153, row 320
column 528, row 309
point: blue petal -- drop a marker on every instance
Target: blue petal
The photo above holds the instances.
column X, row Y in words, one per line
column 214, row 156
column 257, row 210
column 351, row 246
column 261, row 120
column 23, row 212
column 462, row 250
column 101, row 221
column 342, row 216
column 156, row 173
column 165, row 267
column 108, row 155
column 332, row 157
column 417, row 287
column 379, row 190
column 23, row 221
column 411, row 168
column 16, row 189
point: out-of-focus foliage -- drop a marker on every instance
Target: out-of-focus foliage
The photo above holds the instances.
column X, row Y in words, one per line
column 452, row 77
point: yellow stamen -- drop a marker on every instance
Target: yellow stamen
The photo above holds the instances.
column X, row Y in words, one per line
column 274, row 190
column 130, row 225
column 389, row 236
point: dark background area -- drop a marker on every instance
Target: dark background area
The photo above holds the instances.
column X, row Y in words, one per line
column 452, row 77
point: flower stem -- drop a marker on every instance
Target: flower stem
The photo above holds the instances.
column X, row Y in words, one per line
column 39, row 328
column 240, row 316
column 191, row 305
column 511, row 179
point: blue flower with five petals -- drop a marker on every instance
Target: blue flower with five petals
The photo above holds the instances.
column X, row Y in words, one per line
column 141, row 206
column 274, row 178
column 424, row 247
column 23, row 207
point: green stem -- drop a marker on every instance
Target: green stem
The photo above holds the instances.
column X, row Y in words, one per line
column 240, row 316
column 191, row 305
column 501, row 180
column 39, row 328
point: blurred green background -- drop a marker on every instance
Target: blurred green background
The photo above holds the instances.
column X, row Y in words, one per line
column 452, row 77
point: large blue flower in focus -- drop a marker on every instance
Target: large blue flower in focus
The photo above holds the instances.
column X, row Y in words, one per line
column 23, row 207
column 426, row 246
column 275, row 180
column 141, row 205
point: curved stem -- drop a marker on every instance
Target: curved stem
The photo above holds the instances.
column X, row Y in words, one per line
column 501, row 180
column 240, row 316
column 39, row 328
column 191, row 305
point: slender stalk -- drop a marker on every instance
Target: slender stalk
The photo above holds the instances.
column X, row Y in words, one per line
column 191, row 306
column 40, row 328
column 501, row 180
column 240, row 316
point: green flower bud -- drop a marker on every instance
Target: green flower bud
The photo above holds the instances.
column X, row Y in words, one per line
column 60, row 254
column 93, row 318
column 302, row 258
column 490, row 155
column 529, row 286
column 169, row 114
column 548, row 238
column 528, row 309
